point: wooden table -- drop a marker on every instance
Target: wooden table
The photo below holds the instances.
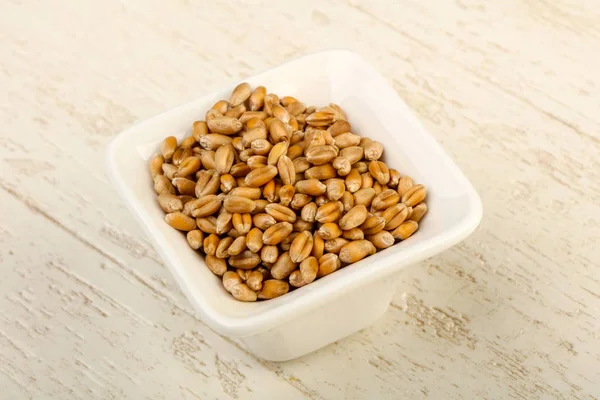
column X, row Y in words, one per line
column 509, row 88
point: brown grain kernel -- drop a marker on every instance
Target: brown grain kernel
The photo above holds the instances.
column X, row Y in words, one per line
column 231, row 279
column 220, row 106
column 361, row 167
column 320, row 155
column 366, row 181
column 207, row 157
column 216, row 265
column 342, row 166
column 321, row 172
column 270, row 191
column 301, row 164
column 346, row 139
column 373, row 150
column 296, row 108
column 353, row 234
column 339, row 127
column 347, row 201
column 328, row 263
column 187, row 142
column 373, row 225
column 181, row 154
column 379, row 171
column 254, row 280
column 320, row 119
column 260, row 132
column 189, row 166
column 228, row 182
column 394, row 178
column 169, row 203
column 240, row 169
column 205, row 206
column 300, row 200
column 286, row 193
column 242, row 222
column 243, row 273
column 169, row 170
column 195, row 239
column 335, row 189
column 184, row 186
column 294, row 151
column 308, row 269
column 212, row 113
column 213, row 141
column 309, row 212
column 287, row 100
column 287, row 171
column 207, row 184
column 162, row 185
column 278, row 150
column 280, row 113
column 210, row 244
column 382, row 239
column 311, row 187
column 364, row 197
column 283, row 267
column 242, row 292
column 168, row 147
column 329, row 230
column 405, row 230
column 418, row 212
column 207, row 224
column 404, row 185
column 352, row 153
column 385, row 199
column 185, row 199
column 257, row 98
column 260, row 206
column 254, row 240
column 253, row 119
column 300, row 226
column 356, row 251
column 334, row 245
column 223, row 246
column 301, row 247
column 245, row 155
column 394, row 215
column 329, row 212
column 261, row 147
column 270, row 100
column 155, row 165
column 255, row 161
column 318, row 245
column 236, row 112
column 199, row 129
column 224, row 222
column 240, row 94
column 279, row 131
column 296, row 280
column 238, row 204
column 280, row 213
column 233, row 233
column 238, row 245
column 414, row 195
column 263, row 221
column 246, row 192
column 353, row 181
column 354, row 218
column 273, row 288
column 245, row 260
column 321, row 200
column 269, row 254
column 276, row 233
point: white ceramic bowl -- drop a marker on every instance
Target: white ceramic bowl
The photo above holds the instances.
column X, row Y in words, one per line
column 351, row 298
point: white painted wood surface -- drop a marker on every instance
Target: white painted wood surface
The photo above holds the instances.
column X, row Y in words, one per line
column 510, row 88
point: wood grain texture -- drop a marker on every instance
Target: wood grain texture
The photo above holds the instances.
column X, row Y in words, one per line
column 509, row 88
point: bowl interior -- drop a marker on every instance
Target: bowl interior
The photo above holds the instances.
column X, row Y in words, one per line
column 374, row 110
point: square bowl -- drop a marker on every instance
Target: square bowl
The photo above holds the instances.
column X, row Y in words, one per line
column 349, row 299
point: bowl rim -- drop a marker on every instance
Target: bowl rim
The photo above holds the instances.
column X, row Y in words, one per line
column 240, row 326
